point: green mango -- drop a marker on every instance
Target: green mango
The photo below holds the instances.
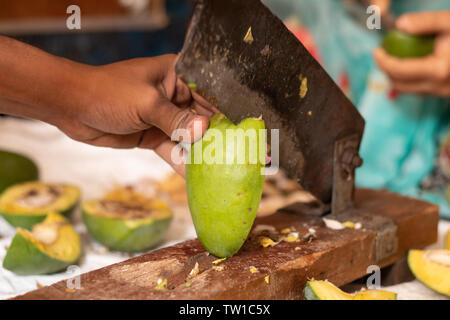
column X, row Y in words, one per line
column 224, row 183
column 15, row 168
column 404, row 45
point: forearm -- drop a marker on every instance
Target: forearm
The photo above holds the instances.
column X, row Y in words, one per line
column 36, row 84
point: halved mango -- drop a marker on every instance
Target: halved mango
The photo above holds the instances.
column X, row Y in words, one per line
column 26, row 204
column 325, row 290
column 50, row 247
column 224, row 179
column 432, row 268
column 126, row 220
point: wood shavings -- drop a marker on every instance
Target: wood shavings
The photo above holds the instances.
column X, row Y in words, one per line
column 267, row 242
column 219, row 260
column 348, row 224
column 291, row 237
column 218, row 268
column 249, row 36
column 267, row 279
column 161, row 284
column 263, row 227
column 311, row 235
column 195, row 271
column 253, row 269
column 297, row 248
column 333, row 224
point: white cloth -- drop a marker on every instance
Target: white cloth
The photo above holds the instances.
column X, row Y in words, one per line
column 95, row 170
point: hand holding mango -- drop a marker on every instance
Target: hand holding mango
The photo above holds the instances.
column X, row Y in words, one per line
column 128, row 104
column 415, row 61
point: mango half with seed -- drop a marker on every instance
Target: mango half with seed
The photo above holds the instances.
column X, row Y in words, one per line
column 224, row 178
column 325, row 290
column 432, row 268
column 26, row 204
column 50, row 247
column 125, row 220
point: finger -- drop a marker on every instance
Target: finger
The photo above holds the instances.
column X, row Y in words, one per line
column 172, row 153
column 425, row 22
column 384, row 5
column 411, row 86
column 168, row 117
column 183, row 95
column 152, row 138
column 203, row 102
column 407, row 69
column 115, row 141
column 201, row 110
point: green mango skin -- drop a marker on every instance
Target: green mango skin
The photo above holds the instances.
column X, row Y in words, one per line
column 15, row 168
column 28, row 221
column 224, row 198
column 403, row 45
column 309, row 294
column 24, row 258
column 116, row 235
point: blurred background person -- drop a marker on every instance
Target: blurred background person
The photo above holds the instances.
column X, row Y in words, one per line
column 405, row 102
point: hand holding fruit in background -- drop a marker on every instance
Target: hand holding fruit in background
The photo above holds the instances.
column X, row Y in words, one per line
column 424, row 75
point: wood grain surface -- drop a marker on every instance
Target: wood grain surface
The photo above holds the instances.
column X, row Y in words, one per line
column 340, row 256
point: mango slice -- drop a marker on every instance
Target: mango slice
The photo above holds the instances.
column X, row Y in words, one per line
column 432, row 268
column 225, row 177
column 26, row 204
column 325, row 290
column 125, row 220
column 50, row 247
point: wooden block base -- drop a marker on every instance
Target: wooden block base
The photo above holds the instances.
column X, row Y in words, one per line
column 340, row 256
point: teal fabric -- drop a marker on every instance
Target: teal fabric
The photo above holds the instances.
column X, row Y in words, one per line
column 400, row 144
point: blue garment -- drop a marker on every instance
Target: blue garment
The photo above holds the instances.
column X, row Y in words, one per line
column 399, row 146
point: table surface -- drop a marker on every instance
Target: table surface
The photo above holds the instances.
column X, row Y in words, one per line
column 96, row 170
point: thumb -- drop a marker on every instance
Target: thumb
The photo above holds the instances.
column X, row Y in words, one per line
column 180, row 124
column 430, row 22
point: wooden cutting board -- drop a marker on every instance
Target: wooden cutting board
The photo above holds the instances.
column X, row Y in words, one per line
column 340, row 256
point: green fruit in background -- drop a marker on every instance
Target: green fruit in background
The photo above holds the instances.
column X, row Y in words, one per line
column 50, row 247
column 404, row 45
column 15, row 168
column 325, row 290
column 26, row 204
column 127, row 221
column 224, row 183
